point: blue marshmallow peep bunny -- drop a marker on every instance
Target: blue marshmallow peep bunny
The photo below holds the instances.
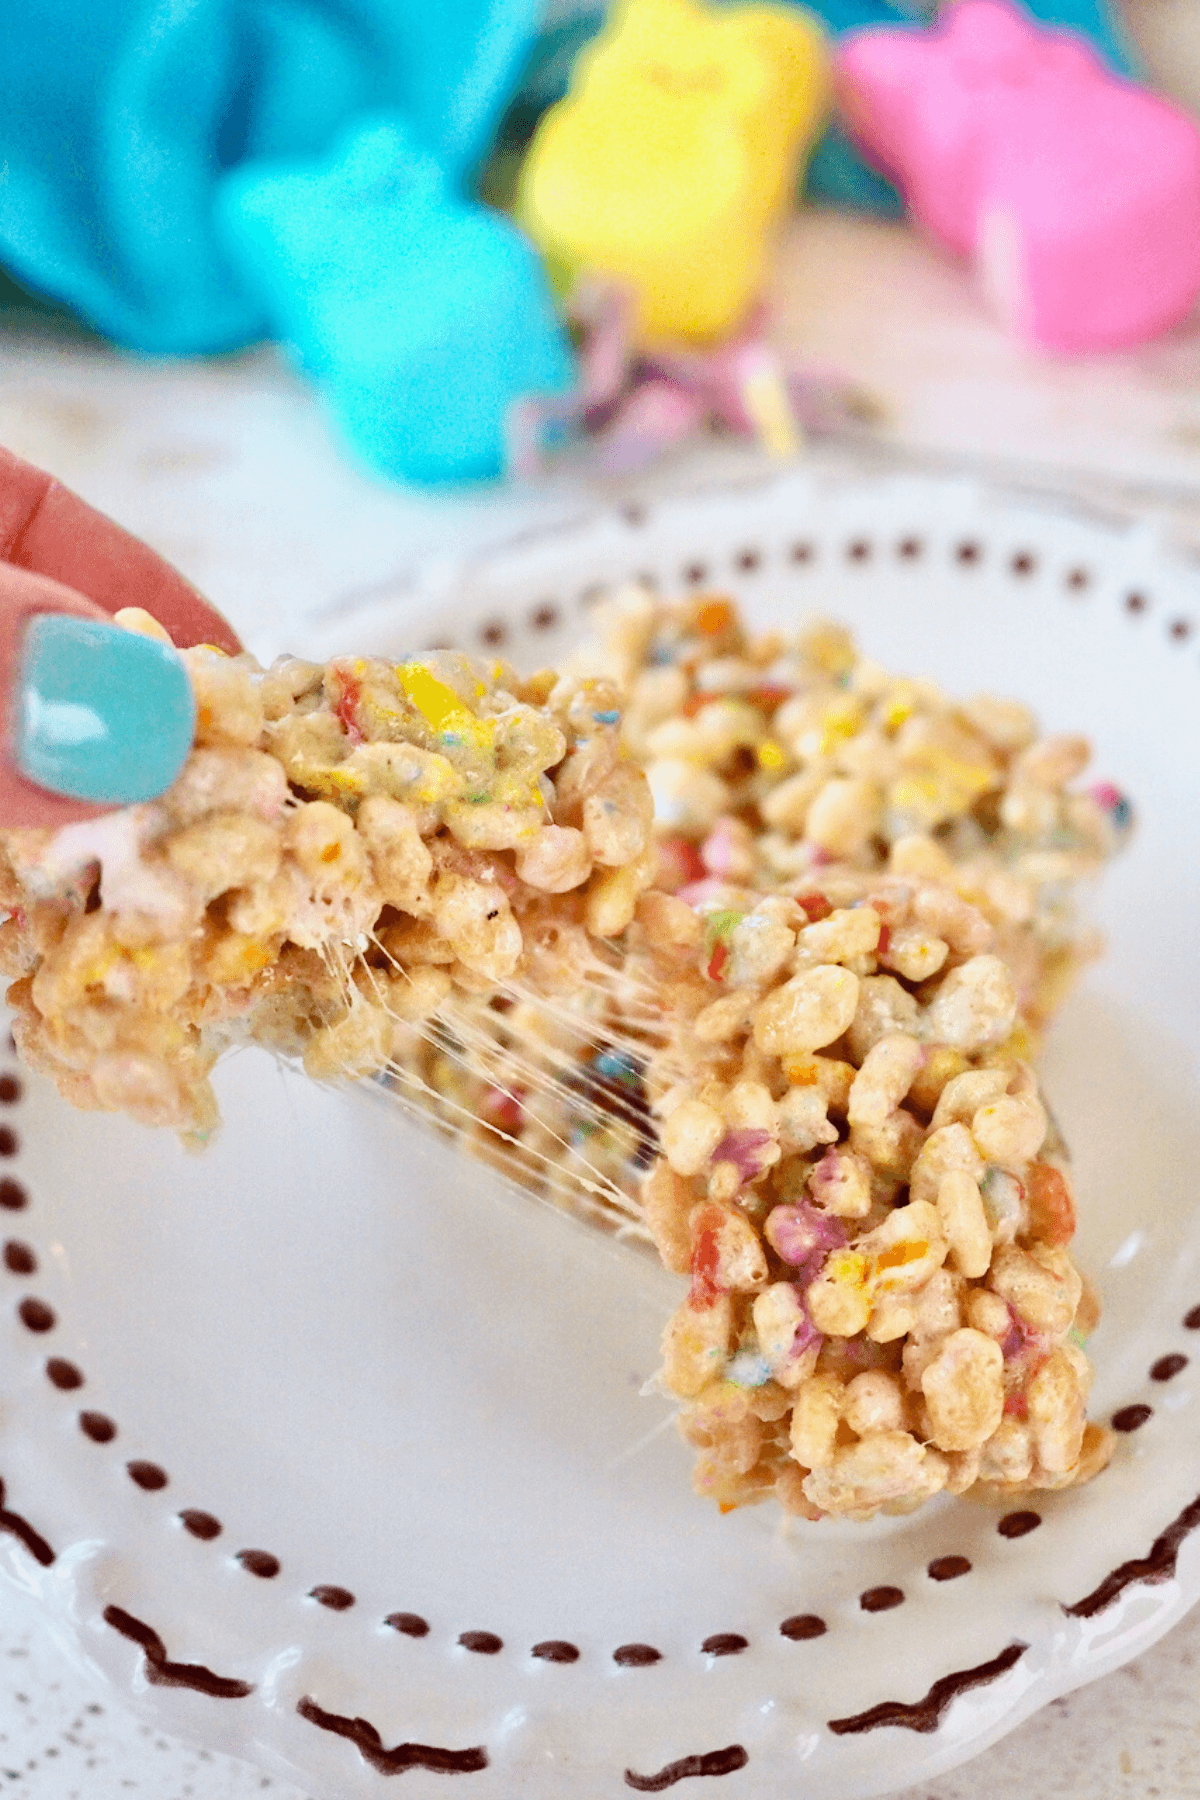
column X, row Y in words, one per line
column 193, row 175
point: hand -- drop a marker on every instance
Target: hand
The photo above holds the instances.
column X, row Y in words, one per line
column 95, row 716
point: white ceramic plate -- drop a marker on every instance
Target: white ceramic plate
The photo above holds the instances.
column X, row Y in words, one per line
column 331, row 1452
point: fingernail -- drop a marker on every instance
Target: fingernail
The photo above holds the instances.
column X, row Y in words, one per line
column 100, row 713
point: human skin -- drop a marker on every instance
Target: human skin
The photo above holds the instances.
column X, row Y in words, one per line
column 57, row 554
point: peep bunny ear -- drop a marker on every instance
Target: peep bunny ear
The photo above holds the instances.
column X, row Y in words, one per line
column 876, row 75
column 1097, row 21
column 916, row 119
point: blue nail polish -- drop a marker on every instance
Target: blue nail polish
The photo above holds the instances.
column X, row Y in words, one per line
column 100, row 713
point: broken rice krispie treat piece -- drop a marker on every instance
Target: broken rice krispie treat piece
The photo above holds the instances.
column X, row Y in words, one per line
column 864, row 1185
column 779, row 767
column 345, row 847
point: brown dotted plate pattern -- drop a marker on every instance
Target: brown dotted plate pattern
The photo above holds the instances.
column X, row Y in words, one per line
column 331, row 1452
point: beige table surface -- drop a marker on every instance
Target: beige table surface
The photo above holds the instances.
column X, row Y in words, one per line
column 229, row 470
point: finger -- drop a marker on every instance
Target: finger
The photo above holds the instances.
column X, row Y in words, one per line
column 126, row 700
column 50, row 531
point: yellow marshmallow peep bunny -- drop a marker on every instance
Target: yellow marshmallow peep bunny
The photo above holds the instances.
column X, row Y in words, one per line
column 673, row 154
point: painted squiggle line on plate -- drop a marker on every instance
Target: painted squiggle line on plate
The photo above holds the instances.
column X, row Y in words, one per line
column 1159, row 1565
column 926, row 1714
column 712, row 1762
column 161, row 1672
column 363, row 1735
column 23, row 1531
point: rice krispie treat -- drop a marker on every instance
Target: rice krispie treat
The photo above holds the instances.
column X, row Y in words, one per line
column 345, row 849
column 846, row 1153
column 804, row 1081
column 865, row 1187
column 772, row 759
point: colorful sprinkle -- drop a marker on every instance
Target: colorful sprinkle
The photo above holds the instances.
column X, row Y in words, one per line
column 706, row 1262
column 849, row 1268
column 814, row 906
column 743, row 1148
column 502, row 1110
column 1051, row 1205
column 679, row 864
column 714, row 617
column 1114, row 803
column 441, row 707
column 800, row 1234
column 900, row 1255
column 770, row 697
column 839, row 722
column 806, row 1332
column 719, row 851
column 618, row 1065
column 346, row 708
column 748, row 1368
column 719, row 927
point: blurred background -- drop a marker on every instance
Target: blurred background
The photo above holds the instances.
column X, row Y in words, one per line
column 318, row 296
column 310, row 293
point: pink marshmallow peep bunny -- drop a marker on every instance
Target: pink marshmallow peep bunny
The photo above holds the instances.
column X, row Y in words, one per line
column 1076, row 193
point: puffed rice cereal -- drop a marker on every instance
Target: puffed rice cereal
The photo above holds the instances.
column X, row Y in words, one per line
column 751, row 969
column 773, row 760
column 346, row 848
column 873, row 1208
